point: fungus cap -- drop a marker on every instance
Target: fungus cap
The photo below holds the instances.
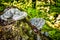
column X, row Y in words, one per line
column 38, row 22
column 14, row 14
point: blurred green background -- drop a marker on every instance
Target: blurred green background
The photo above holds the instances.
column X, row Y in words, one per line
column 46, row 9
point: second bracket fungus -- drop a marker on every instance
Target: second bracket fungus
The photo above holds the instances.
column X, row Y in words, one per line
column 38, row 22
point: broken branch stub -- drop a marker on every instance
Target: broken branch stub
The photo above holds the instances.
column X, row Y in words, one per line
column 34, row 28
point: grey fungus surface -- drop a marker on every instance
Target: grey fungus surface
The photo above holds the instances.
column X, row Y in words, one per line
column 20, row 16
column 38, row 22
column 14, row 14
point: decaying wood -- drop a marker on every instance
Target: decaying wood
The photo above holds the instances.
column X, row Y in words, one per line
column 9, row 32
column 10, row 27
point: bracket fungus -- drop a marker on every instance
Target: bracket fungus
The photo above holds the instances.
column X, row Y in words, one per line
column 38, row 22
column 12, row 14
